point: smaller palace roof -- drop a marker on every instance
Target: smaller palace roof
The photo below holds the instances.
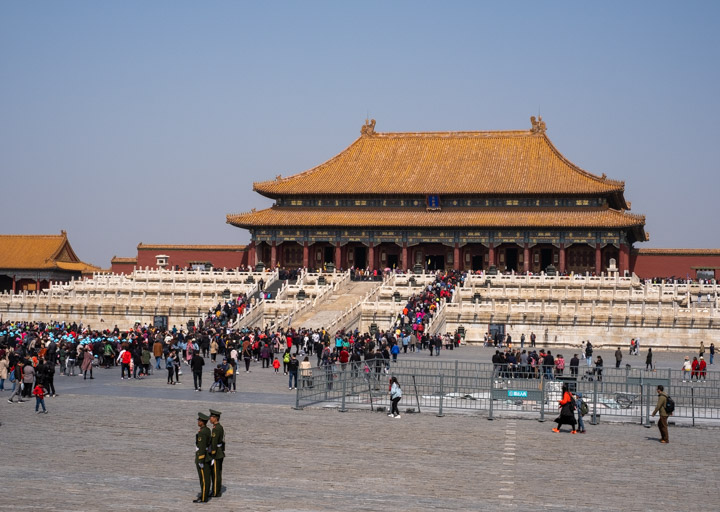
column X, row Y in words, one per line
column 40, row 252
column 522, row 162
column 119, row 259
column 494, row 218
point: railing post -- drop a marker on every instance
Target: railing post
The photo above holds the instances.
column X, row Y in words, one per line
column 627, row 375
column 594, row 421
column 542, row 401
column 328, row 375
column 297, row 399
column 440, row 411
column 344, row 388
column 692, row 401
column 456, row 375
column 492, row 387
column 372, row 407
column 417, row 397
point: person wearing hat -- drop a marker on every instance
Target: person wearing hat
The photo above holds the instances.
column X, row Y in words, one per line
column 217, row 452
column 202, row 444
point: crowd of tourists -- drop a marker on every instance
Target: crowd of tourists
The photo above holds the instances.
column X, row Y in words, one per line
column 31, row 353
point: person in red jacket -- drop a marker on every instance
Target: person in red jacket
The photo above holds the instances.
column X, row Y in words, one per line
column 344, row 358
column 39, row 393
column 567, row 411
column 124, row 358
column 702, row 369
column 694, row 366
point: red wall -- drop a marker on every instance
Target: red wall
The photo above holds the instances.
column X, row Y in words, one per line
column 121, row 268
column 220, row 258
column 673, row 264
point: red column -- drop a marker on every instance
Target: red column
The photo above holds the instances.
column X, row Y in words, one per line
column 405, row 265
column 526, row 258
column 598, row 259
column 624, row 258
column 252, row 255
column 456, row 257
column 273, row 255
column 491, row 255
column 562, row 259
column 371, row 257
column 306, row 255
column 14, row 285
column 338, row 256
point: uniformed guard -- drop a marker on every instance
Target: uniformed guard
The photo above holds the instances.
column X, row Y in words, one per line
column 217, row 452
column 202, row 445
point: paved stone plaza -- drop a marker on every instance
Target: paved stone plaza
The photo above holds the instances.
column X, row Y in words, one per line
column 109, row 444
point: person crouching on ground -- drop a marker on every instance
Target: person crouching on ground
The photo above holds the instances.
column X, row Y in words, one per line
column 567, row 411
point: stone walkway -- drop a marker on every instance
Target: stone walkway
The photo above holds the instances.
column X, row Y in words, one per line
column 109, row 444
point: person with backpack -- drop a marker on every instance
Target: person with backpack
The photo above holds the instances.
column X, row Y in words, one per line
column 582, row 409
column 4, row 367
column 567, row 411
column 16, row 379
column 661, row 408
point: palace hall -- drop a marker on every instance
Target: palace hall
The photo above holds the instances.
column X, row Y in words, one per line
column 445, row 200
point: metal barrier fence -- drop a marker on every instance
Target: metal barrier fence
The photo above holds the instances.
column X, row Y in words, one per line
column 627, row 394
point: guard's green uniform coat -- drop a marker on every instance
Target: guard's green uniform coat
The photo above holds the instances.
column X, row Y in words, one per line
column 202, row 462
column 217, row 452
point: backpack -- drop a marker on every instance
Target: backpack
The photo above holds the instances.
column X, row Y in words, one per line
column 669, row 405
column 583, row 408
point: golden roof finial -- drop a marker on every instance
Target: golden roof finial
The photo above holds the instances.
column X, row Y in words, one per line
column 538, row 125
column 368, row 128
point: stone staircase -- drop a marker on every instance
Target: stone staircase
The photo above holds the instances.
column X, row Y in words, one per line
column 335, row 305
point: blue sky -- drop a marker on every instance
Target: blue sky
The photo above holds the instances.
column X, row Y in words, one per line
column 134, row 121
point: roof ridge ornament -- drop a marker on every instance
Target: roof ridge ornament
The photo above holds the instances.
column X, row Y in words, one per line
column 368, row 128
column 538, row 125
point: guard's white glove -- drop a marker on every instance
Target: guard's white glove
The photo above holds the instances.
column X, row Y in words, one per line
column 201, row 465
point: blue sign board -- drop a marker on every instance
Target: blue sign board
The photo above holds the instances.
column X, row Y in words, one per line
column 517, row 393
column 433, row 202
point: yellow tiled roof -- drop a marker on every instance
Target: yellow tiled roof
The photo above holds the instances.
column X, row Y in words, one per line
column 78, row 267
column 678, row 252
column 464, row 163
column 36, row 252
column 277, row 217
column 157, row 247
column 118, row 259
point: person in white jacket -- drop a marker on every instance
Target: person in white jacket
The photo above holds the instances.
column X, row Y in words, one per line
column 395, row 396
column 686, row 368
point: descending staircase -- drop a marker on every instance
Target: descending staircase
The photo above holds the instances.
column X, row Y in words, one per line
column 331, row 308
